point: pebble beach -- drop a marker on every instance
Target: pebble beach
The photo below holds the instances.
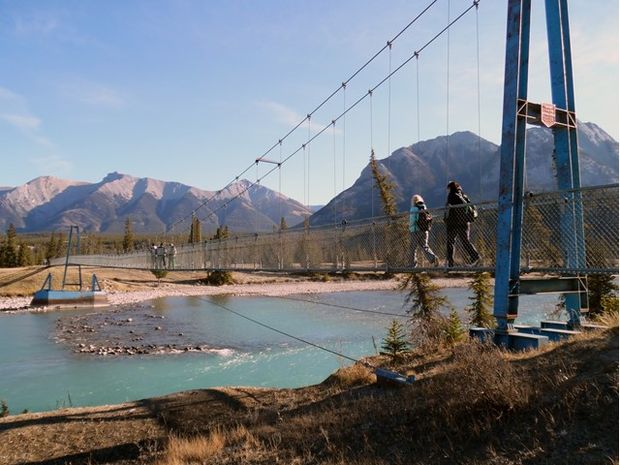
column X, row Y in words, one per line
column 118, row 298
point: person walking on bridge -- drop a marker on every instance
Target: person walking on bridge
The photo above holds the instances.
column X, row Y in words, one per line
column 419, row 226
column 458, row 219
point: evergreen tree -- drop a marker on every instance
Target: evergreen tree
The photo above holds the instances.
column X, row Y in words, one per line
column 60, row 248
column 99, row 245
column 8, row 252
column 39, row 255
column 221, row 233
column 453, row 330
column 283, row 225
column 385, row 186
column 481, row 301
column 50, row 248
column 195, row 231
column 426, row 302
column 602, row 295
column 395, row 343
column 392, row 230
column 24, row 254
column 128, row 236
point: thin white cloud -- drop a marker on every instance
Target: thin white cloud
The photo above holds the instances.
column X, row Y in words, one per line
column 102, row 96
column 15, row 112
column 39, row 23
column 52, row 165
column 283, row 114
column 93, row 93
column 7, row 95
column 22, row 122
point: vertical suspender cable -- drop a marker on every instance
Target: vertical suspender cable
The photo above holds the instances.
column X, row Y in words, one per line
column 478, row 96
column 308, row 154
column 372, row 151
column 281, row 219
column 335, row 174
column 280, row 185
column 389, row 116
column 448, row 99
column 344, row 147
column 255, row 190
column 304, row 183
column 417, row 87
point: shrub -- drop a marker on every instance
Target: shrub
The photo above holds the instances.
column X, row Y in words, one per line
column 454, row 331
column 481, row 300
column 218, row 278
column 394, row 343
column 426, row 302
column 4, row 409
column 159, row 274
column 602, row 297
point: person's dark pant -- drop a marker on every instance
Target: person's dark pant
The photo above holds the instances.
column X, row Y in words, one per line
column 463, row 233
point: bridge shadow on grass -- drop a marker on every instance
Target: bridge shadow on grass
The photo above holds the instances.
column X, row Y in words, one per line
column 93, row 438
column 105, row 455
column 130, row 412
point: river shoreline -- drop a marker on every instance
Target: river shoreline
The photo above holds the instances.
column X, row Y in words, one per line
column 151, row 291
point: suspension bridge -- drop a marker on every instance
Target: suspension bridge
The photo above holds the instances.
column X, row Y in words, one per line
column 570, row 232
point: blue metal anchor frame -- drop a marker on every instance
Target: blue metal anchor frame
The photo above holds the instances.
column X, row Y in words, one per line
column 512, row 153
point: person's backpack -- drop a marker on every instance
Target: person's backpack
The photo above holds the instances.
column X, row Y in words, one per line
column 424, row 220
column 471, row 212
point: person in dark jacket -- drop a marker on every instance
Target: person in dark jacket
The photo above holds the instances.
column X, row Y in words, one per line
column 457, row 223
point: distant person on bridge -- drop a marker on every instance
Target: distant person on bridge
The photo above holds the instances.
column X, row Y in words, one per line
column 161, row 256
column 458, row 217
column 420, row 220
column 172, row 252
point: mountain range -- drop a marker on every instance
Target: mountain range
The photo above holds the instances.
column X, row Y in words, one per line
column 427, row 166
column 48, row 203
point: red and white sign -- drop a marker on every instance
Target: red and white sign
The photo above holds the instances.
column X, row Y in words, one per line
column 547, row 114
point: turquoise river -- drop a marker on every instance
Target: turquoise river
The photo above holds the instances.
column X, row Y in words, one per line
column 39, row 372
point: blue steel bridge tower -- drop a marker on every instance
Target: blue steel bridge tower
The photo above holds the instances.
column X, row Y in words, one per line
column 518, row 112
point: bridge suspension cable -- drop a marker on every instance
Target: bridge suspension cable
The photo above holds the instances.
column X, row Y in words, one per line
column 318, row 107
column 344, row 307
column 284, row 333
column 357, row 102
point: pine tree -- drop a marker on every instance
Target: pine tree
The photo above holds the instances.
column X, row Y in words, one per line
column 385, row 186
column 602, row 295
column 24, row 254
column 454, row 331
column 60, row 248
column 388, row 201
column 128, row 236
column 395, row 343
column 195, row 231
column 283, row 225
column 8, row 257
column 221, row 233
column 480, row 309
column 50, row 248
column 426, row 302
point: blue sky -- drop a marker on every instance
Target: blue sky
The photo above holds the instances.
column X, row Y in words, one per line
column 194, row 91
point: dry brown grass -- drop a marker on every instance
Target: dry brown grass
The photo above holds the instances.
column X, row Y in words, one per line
column 355, row 375
column 181, row 451
column 209, row 448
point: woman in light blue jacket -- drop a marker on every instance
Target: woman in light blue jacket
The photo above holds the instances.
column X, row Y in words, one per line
column 419, row 227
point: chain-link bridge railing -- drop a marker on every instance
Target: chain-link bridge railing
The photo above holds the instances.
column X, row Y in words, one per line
column 550, row 226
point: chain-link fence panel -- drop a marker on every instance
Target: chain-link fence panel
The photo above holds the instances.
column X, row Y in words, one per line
column 563, row 232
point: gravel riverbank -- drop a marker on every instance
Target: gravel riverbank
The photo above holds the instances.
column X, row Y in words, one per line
column 153, row 291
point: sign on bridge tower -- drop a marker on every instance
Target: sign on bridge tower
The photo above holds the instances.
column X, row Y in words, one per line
column 560, row 117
